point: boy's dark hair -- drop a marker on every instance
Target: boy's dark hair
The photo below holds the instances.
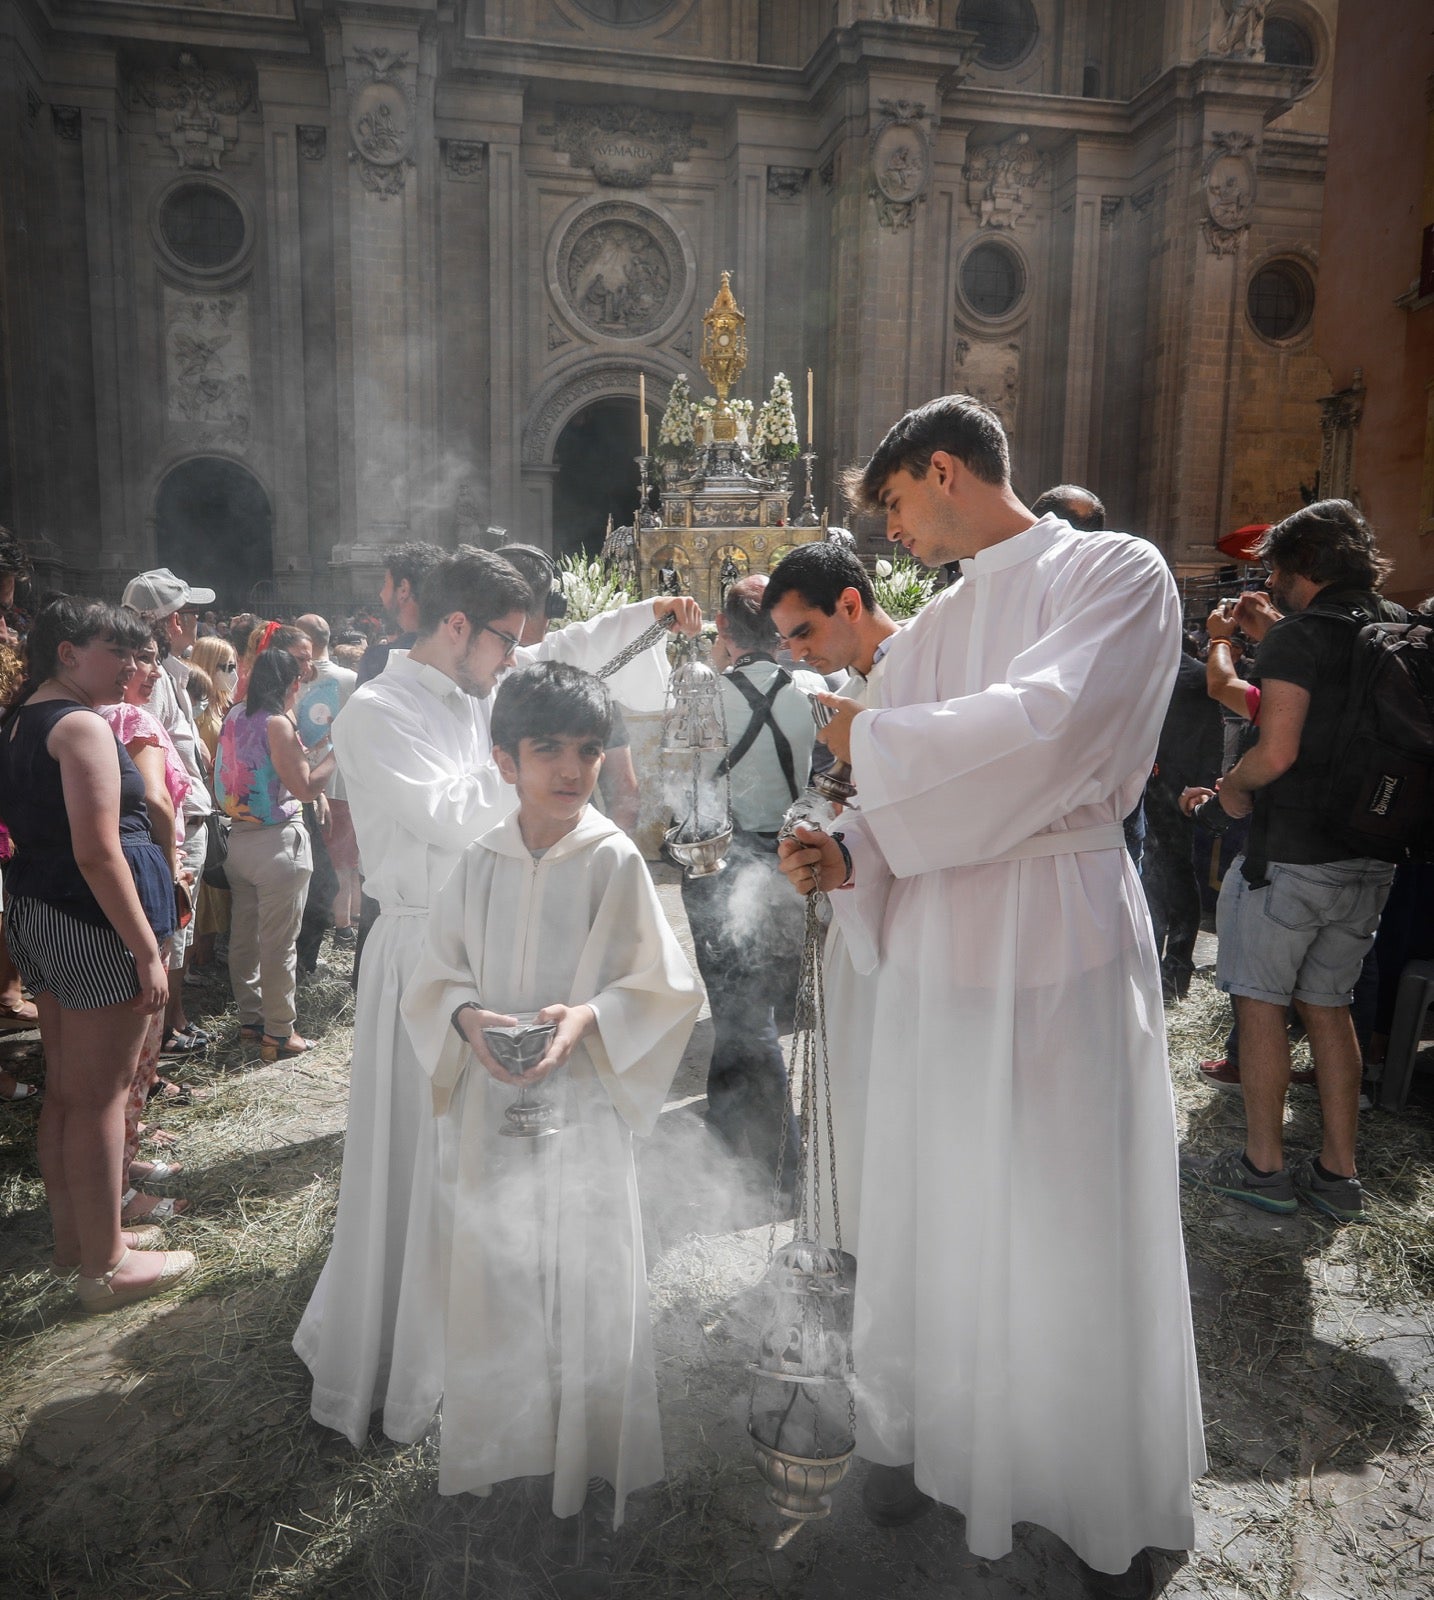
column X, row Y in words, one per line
column 1079, row 507
column 1329, row 543
column 748, row 625
column 413, row 560
column 481, row 585
column 550, row 700
column 819, row 573
column 274, row 670
column 957, row 424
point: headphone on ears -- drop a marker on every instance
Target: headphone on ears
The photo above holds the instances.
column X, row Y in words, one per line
column 555, row 602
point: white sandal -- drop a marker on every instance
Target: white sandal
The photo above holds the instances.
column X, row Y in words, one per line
column 99, row 1294
column 165, row 1210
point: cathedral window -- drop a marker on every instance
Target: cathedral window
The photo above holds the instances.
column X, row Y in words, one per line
column 1280, row 300
column 1006, row 29
column 992, row 280
column 202, row 226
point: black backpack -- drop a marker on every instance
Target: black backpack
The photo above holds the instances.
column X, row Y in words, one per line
column 1379, row 795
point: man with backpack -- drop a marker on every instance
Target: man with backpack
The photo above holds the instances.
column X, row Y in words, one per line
column 1298, row 911
column 746, row 924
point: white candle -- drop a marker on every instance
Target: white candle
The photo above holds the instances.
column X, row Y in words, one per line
column 642, row 406
column 809, row 408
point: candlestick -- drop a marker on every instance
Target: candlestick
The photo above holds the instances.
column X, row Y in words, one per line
column 809, row 408
column 642, row 406
column 807, row 517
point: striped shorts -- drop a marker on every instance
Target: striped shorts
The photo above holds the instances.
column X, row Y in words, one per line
column 84, row 966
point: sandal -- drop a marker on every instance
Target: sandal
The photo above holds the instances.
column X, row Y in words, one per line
column 17, row 1090
column 173, row 1094
column 99, row 1294
column 23, row 1015
column 274, row 1049
column 251, row 1032
column 154, row 1171
column 180, row 1044
column 165, row 1210
column 201, row 1036
column 130, row 1238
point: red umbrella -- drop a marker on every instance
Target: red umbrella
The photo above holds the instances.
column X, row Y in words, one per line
column 1242, row 543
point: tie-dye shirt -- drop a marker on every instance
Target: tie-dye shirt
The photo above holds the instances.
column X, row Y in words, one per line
column 246, row 785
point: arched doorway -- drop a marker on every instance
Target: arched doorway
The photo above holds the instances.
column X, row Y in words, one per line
column 214, row 527
column 597, row 474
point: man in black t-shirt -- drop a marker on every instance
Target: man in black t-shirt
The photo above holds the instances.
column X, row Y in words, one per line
column 1298, row 912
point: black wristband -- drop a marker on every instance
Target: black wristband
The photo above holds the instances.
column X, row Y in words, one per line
column 846, row 860
column 468, row 1005
column 1212, row 816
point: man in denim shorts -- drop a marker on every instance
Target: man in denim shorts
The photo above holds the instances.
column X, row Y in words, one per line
column 1298, row 912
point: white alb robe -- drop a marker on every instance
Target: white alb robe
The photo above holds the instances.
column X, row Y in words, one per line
column 416, row 759
column 851, row 1013
column 1022, row 1314
column 548, row 1355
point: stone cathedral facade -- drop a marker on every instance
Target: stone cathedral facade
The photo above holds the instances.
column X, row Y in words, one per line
column 285, row 281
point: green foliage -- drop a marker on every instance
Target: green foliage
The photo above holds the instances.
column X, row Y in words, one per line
column 903, row 587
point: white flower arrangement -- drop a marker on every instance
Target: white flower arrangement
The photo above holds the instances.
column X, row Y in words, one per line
column 775, row 436
column 591, row 587
column 674, row 433
column 902, row 587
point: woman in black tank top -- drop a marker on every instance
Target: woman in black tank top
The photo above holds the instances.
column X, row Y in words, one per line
column 90, row 903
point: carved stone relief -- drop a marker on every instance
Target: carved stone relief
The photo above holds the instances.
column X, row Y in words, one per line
column 1142, row 200
column 66, row 121
column 313, row 142
column 1229, row 178
column 196, row 109
column 464, row 159
column 556, row 337
column 381, row 99
column 1110, row 205
column 1243, row 36
column 1339, row 417
column 921, row 12
column 206, row 349
column 990, row 372
column 620, row 269
column 683, row 346
column 900, row 162
column 1000, row 179
column 568, row 398
column 622, row 146
column 786, row 183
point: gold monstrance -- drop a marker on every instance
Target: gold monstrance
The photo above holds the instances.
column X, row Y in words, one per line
column 724, row 354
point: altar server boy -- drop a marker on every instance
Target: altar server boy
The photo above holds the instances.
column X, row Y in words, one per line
column 548, row 1359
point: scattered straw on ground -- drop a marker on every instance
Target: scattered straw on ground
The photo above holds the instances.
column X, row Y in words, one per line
column 167, row 1450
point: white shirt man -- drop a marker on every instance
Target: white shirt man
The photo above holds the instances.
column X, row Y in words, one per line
column 1023, row 1341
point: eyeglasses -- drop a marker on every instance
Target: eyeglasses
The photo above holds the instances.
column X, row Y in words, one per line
column 510, row 644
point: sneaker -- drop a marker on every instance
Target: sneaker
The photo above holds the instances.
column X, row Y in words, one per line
column 1340, row 1198
column 1221, row 1075
column 1228, row 1175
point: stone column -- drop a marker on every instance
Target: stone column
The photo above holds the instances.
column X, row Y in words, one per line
column 382, row 85
column 507, row 300
column 286, row 413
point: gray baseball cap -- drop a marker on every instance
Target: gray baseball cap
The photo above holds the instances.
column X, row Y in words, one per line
column 161, row 594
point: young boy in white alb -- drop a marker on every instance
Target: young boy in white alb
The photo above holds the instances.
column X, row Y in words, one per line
column 548, row 1361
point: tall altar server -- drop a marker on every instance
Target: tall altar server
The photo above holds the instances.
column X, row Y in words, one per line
column 548, row 1346
column 1023, row 1342
column 415, row 755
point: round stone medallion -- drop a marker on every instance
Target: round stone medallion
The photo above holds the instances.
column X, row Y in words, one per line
column 621, row 270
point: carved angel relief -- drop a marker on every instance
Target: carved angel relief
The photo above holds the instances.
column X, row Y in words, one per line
column 900, row 162
column 623, row 146
column 381, row 120
column 206, row 345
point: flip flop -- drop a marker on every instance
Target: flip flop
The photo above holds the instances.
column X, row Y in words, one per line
column 21, row 1091
column 201, row 1036
column 180, row 1044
